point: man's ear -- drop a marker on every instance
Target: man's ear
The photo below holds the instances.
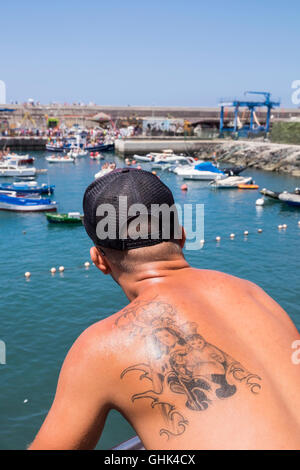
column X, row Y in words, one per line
column 183, row 238
column 99, row 260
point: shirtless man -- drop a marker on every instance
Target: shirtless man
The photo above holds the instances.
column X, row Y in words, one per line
column 198, row 359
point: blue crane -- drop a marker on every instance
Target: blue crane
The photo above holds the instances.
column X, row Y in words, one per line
column 251, row 105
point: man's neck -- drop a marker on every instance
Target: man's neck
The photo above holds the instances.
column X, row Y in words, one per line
column 150, row 274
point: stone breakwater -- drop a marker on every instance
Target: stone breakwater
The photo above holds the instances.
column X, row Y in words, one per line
column 263, row 155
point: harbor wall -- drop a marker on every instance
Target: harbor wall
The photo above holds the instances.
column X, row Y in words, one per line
column 283, row 158
column 263, row 155
column 23, row 143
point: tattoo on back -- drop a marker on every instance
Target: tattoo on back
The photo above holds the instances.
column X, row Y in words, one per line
column 180, row 361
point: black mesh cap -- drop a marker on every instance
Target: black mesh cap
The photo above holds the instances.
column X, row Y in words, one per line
column 108, row 207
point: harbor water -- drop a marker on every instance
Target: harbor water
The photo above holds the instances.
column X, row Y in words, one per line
column 41, row 317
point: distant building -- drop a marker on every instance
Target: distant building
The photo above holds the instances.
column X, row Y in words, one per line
column 2, row 92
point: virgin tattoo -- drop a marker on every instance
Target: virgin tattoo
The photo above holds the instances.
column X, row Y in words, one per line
column 180, row 361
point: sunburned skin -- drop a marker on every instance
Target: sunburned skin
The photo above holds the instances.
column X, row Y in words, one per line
column 190, row 368
column 186, row 364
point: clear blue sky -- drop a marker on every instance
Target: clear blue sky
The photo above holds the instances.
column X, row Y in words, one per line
column 167, row 52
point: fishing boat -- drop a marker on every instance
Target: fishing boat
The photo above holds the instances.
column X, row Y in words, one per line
column 100, row 147
column 60, row 159
column 22, row 159
column 56, row 147
column 292, row 199
column 65, row 218
column 201, row 171
column 230, row 182
column 10, row 169
column 28, row 187
column 10, row 201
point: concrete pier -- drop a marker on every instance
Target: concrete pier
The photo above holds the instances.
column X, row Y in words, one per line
column 144, row 146
column 23, row 143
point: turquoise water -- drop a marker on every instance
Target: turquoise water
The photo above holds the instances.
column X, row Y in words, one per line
column 41, row 317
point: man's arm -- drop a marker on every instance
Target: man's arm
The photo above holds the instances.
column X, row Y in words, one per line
column 78, row 413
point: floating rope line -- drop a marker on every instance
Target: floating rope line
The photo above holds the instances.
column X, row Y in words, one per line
column 217, row 241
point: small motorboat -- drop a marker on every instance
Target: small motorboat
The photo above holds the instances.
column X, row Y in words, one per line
column 292, row 199
column 75, row 153
column 201, row 171
column 100, row 147
column 60, row 159
column 65, row 218
column 56, row 147
column 28, row 187
column 11, row 201
column 10, row 169
column 230, row 182
column 234, row 171
column 103, row 172
column 269, row 193
column 247, row 186
column 22, row 159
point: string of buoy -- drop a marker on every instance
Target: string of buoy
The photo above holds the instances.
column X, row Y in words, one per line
column 87, row 264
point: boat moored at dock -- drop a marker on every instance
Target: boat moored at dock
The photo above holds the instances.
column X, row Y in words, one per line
column 230, row 182
column 28, row 187
column 70, row 218
column 10, row 201
column 10, row 169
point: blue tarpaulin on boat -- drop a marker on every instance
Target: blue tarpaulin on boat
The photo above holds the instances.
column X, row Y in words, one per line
column 207, row 166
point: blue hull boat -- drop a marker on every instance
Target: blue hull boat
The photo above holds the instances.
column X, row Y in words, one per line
column 10, row 201
column 30, row 187
column 100, row 147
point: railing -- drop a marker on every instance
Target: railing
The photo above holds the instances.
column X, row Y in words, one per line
column 131, row 444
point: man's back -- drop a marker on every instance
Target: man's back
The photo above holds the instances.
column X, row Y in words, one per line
column 203, row 361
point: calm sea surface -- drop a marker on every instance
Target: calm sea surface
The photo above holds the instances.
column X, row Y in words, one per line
column 42, row 317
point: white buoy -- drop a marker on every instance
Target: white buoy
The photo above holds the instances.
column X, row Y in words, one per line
column 218, row 239
column 53, row 270
column 202, row 242
column 61, row 269
column 86, row 264
column 232, row 235
column 27, row 274
column 284, row 226
column 26, row 400
column 280, row 227
column 260, row 201
column 246, row 233
column 259, row 230
column 298, row 222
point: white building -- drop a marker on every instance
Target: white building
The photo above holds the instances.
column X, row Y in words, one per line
column 2, row 92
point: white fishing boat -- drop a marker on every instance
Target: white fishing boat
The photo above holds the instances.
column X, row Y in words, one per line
column 77, row 152
column 16, row 169
column 59, row 159
column 203, row 171
column 23, row 159
column 10, row 201
column 230, row 182
column 159, row 159
column 106, row 168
